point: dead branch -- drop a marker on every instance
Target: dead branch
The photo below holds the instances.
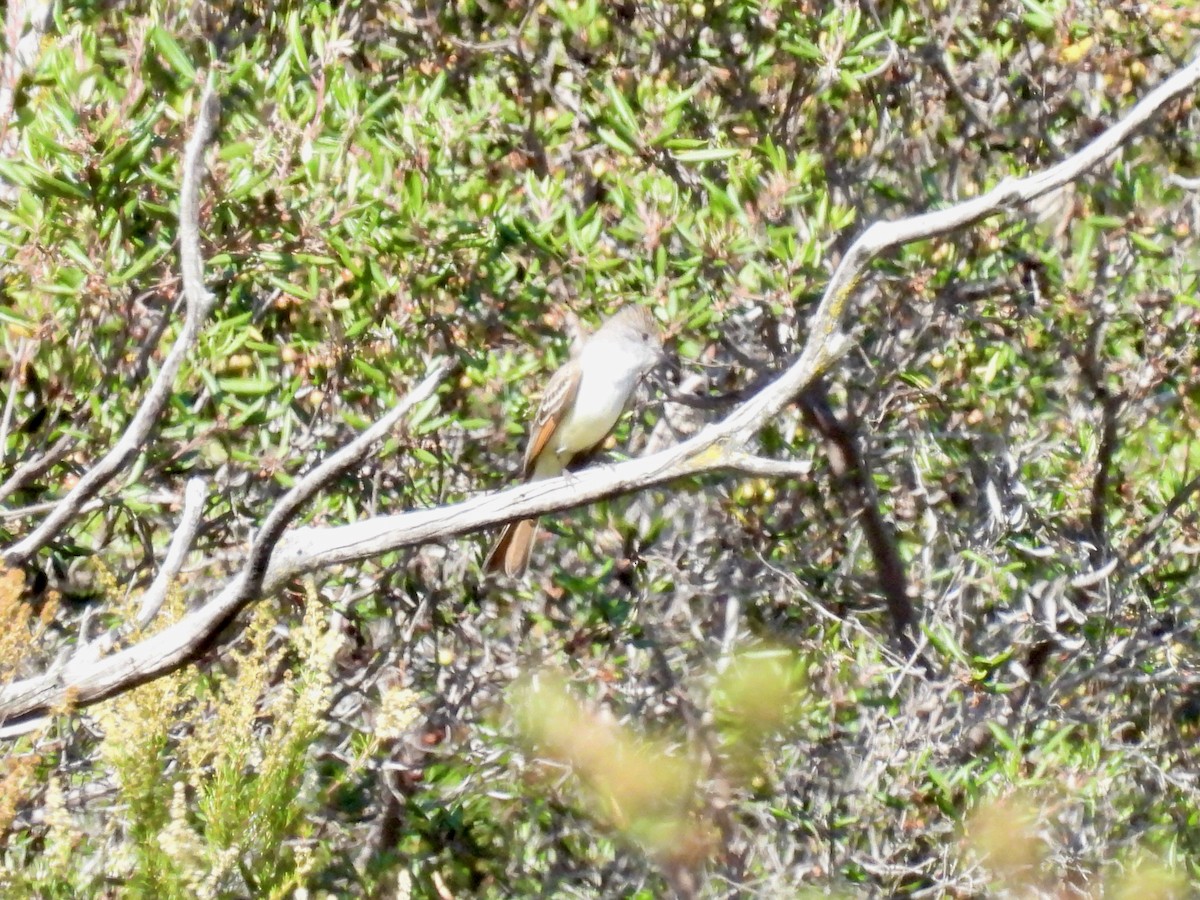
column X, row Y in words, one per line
column 32, row 468
column 199, row 304
column 19, row 359
column 194, row 496
column 848, row 463
column 1010, row 194
column 1153, row 528
column 286, row 509
column 85, row 680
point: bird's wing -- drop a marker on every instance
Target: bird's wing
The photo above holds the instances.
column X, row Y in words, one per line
column 556, row 401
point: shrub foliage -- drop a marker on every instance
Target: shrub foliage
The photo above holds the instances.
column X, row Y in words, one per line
column 698, row 689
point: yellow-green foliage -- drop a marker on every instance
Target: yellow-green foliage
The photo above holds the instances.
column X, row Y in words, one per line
column 21, row 628
column 211, row 792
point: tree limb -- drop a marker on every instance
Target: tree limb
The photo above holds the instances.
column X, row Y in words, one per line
column 849, row 464
column 32, row 468
column 193, row 506
column 285, row 510
column 85, row 680
column 1010, row 193
column 199, row 304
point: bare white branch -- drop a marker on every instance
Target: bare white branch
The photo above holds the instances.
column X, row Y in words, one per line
column 1010, row 193
column 30, row 469
column 162, row 498
column 199, row 303
column 1188, row 184
column 767, row 467
column 18, row 363
column 194, row 496
column 285, row 510
column 152, row 600
column 86, row 679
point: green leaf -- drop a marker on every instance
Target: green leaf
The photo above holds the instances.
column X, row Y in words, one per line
column 614, row 140
column 708, row 154
column 621, row 107
column 165, row 43
column 1038, row 16
column 374, row 374
column 292, row 290
column 805, row 49
column 15, row 320
column 1146, row 245
column 138, row 266
column 296, row 40
column 248, row 387
column 424, row 456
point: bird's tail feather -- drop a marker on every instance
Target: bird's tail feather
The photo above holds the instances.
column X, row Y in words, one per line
column 512, row 549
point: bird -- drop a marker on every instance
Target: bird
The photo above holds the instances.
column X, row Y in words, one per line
column 581, row 404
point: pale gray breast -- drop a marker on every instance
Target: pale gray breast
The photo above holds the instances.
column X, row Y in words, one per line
column 608, row 380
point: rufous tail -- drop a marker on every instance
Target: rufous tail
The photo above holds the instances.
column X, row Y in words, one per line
column 512, row 550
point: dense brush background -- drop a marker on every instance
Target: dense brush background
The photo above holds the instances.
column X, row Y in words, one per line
column 696, row 690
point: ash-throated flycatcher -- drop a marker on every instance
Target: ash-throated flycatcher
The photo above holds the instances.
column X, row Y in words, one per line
column 580, row 406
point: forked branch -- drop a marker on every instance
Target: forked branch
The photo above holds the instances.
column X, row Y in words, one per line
column 199, row 303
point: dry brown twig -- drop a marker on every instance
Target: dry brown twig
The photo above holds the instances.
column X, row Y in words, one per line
column 720, row 446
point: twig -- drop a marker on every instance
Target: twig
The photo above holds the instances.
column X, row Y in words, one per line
column 1118, row 564
column 34, row 467
column 194, row 496
column 888, row 61
column 503, row 43
column 1009, row 194
column 160, row 497
column 18, row 363
column 1188, row 184
column 848, row 463
column 767, row 467
column 1154, row 526
column 1110, row 406
column 199, row 304
column 285, row 510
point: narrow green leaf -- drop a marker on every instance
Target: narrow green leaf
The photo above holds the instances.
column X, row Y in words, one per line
column 247, row 387
column 1146, row 245
column 615, row 141
column 621, row 107
column 137, row 267
column 166, row 44
column 708, row 154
